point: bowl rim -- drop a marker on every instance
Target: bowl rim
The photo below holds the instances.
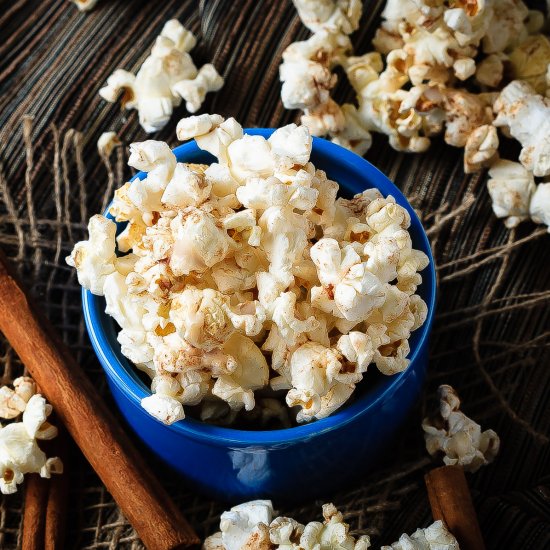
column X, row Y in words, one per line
column 117, row 372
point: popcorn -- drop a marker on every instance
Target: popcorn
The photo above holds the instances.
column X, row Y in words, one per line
column 186, row 188
column 529, row 62
column 490, row 70
column 334, row 15
column 526, row 115
column 408, row 89
column 350, row 289
column 19, row 450
column 250, row 526
column 193, row 91
column 107, row 143
column 163, row 407
column 166, row 77
column 13, row 402
column 510, row 187
column 465, row 112
column 239, row 526
column 251, row 373
column 248, row 280
column 458, row 437
column 434, row 537
column 198, row 242
column 211, row 132
column 85, row 5
column 95, row 258
column 481, row 148
column 539, row 207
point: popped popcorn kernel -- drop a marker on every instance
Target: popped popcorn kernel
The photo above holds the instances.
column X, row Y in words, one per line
column 247, row 286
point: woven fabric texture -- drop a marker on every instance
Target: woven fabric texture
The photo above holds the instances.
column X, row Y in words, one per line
column 492, row 332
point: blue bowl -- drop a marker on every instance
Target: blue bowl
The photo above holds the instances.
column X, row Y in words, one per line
column 299, row 463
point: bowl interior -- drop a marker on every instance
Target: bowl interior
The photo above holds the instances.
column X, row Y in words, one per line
column 353, row 174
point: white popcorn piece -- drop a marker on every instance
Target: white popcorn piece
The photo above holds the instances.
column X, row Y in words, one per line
column 293, row 143
column 284, row 532
column 357, row 348
column 19, row 450
column 241, row 275
column 24, row 387
column 481, row 148
column 458, row 437
column 333, row 15
column 107, row 143
column 164, row 408
column 490, row 70
column 326, row 118
column 198, row 125
column 349, row 289
column 198, row 242
column 186, row 188
column 251, row 373
column 506, row 28
column 183, row 39
column 306, row 69
column 354, row 135
column 465, row 112
column 526, row 115
column 200, row 318
column 434, row 537
column 94, row 259
column 212, row 133
column 539, row 207
column 332, row 534
column 250, row 526
column 239, row 525
column 14, row 401
column 166, row 76
column 315, row 375
column 194, row 91
column 85, row 5
column 391, row 358
column 250, row 156
column 511, row 187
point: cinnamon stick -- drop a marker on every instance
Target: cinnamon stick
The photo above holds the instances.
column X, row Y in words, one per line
column 103, row 441
column 58, row 497
column 451, row 502
column 34, row 513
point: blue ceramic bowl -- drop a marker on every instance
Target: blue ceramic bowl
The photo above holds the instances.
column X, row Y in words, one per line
column 304, row 462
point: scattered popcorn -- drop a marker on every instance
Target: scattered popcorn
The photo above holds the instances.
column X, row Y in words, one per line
column 334, row 15
column 481, row 148
column 95, row 258
column 529, row 62
column 511, row 187
column 458, row 437
column 247, row 283
column 194, row 91
column 439, row 68
column 107, row 142
column 250, row 526
column 13, row 402
column 166, row 77
column 434, row 537
column 526, row 116
column 19, row 450
column 539, row 208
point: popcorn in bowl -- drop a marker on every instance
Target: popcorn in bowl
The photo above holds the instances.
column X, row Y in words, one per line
column 248, row 280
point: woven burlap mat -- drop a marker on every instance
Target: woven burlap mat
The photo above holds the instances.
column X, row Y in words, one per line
column 492, row 329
